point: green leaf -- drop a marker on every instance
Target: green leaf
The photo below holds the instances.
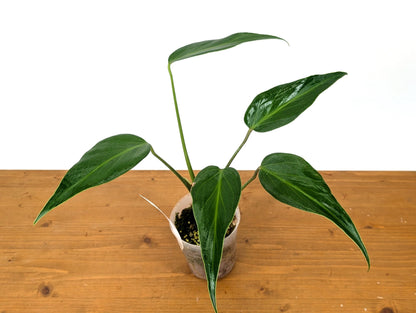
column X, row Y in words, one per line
column 291, row 180
column 107, row 160
column 282, row 104
column 208, row 46
column 215, row 196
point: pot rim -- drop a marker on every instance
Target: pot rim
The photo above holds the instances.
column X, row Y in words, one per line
column 185, row 202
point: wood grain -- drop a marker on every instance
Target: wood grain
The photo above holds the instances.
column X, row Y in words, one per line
column 107, row 250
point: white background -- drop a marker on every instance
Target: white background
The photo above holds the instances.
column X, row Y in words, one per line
column 75, row 72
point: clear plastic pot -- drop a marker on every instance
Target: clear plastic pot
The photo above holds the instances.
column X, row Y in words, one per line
column 193, row 252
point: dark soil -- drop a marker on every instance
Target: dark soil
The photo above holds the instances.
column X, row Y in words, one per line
column 186, row 225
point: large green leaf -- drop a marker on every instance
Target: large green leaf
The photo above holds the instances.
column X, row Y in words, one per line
column 215, row 196
column 107, row 160
column 280, row 105
column 291, row 180
column 208, row 46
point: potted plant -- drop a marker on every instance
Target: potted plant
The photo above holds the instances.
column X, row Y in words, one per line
column 215, row 192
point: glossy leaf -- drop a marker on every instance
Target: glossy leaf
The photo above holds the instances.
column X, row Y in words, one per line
column 208, row 46
column 107, row 160
column 282, row 104
column 291, row 180
column 215, row 196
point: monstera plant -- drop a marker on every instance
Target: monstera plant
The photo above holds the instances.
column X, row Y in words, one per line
column 216, row 191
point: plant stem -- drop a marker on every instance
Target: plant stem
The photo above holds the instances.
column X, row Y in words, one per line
column 239, row 148
column 251, row 178
column 181, row 178
column 178, row 118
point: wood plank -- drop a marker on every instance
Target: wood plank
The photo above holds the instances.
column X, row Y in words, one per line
column 107, row 250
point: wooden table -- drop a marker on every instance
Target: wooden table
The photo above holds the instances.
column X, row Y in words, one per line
column 107, row 250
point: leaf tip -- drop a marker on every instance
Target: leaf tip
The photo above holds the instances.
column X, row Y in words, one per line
column 37, row 218
column 367, row 258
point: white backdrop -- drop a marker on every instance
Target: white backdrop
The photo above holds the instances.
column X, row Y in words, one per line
column 75, row 72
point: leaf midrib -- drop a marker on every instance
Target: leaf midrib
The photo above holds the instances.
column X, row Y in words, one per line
column 204, row 50
column 283, row 106
column 295, row 187
column 215, row 45
column 104, row 163
column 217, row 201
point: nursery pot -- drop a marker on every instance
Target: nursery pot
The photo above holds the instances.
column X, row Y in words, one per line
column 193, row 252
